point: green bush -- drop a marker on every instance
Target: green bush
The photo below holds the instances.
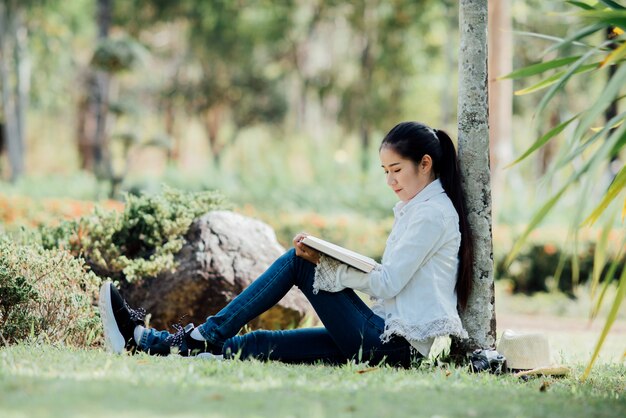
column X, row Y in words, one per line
column 46, row 294
column 542, row 267
column 139, row 242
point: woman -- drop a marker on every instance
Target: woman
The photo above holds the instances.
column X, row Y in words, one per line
column 424, row 274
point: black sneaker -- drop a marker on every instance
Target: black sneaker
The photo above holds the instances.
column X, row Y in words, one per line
column 184, row 344
column 118, row 319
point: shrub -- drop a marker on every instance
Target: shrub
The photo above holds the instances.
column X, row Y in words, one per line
column 47, row 294
column 141, row 241
column 540, row 263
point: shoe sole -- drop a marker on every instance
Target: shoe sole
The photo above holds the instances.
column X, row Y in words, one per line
column 209, row 356
column 112, row 335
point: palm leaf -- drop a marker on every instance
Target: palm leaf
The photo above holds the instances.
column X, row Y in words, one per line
column 599, row 258
column 562, row 81
column 545, row 138
column 539, row 68
column 572, row 152
column 580, row 4
column 617, row 54
column 588, row 166
column 549, row 38
column 613, row 5
column 619, row 297
column 607, row 96
column 554, row 78
column 577, row 36
column 606, row 17
column 607, row 280
column 536, row 220
column 617, row 186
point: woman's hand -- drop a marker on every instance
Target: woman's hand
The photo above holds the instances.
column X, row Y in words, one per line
column 303, row 251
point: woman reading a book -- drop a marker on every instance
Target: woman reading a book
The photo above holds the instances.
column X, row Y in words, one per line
column 424, row 276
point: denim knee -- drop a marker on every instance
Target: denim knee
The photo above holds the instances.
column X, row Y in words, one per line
column 244, row 346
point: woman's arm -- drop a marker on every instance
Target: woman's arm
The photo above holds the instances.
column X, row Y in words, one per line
column 415, row 245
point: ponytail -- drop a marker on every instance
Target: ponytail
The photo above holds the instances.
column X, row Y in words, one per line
column 450, row 179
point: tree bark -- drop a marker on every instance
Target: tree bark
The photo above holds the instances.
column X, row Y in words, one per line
column 479, row 316
column 100, row 97
column 14, row 142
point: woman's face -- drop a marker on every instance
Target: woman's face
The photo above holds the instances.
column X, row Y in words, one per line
column 405, row 177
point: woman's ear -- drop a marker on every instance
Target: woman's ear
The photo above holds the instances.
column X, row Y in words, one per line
column 426, row 164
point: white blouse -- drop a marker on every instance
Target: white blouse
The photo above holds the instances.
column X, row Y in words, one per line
column 413, row 287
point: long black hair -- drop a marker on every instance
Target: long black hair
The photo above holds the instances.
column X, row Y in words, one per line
column 413, row 140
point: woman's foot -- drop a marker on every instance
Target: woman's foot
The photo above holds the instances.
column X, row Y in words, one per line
column 118, row 319
column 184, row 343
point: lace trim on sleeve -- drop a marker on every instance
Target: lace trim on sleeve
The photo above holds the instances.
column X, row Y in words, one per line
column 326, row 275
column 437, row 328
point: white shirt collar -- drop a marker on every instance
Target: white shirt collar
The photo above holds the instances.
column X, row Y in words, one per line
column 432, row 189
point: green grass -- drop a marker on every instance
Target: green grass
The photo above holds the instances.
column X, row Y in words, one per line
column 42, row 381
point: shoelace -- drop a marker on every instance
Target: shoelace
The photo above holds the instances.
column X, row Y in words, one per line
column 176, row 340
column 136, row 315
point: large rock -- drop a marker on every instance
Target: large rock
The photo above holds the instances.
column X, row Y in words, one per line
column 224, row 252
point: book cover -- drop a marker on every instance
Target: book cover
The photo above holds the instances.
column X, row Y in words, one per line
column 351, row 258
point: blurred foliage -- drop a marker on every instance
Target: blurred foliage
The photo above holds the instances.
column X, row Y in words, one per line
column 47, row 295
column 596, row 135
column 542, row 267
column 25, row 212
column 115, row 55
column 139, row 242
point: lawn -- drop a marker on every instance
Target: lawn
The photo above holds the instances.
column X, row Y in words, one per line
column 46, row 381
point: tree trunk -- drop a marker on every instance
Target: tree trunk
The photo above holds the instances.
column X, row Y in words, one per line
column 100, row 97
column 211, row 120
column 479, row 316
column 500, row 91
column 14, row 142
column 169, row 120
column 91, row 132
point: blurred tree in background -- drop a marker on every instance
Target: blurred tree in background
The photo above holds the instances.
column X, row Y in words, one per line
column 14, row 80
column 231, row 65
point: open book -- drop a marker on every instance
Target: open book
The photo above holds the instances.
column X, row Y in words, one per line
column 344, row 255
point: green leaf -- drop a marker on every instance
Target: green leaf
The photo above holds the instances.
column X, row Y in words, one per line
column 599, row 258
column 591, row 163
column 606, row 17
column 549, row 38
column 580, row 4
column 617, row 186
column 611, row 90
column 573, row 152
column 536, row 220
column 540, row 67
column 619, row 297
column 577, row 36
column 615, row 55
column 563, row 80
column 556, row 77
column 608, row 279
column 613, row 5
column 545, row 138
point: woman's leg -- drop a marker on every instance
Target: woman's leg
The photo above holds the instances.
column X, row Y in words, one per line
column 266, row 291
column 349, row 323
column 309, row 345
column 352, row 330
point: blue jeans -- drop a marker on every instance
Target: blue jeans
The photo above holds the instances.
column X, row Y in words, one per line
column 351, row 330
